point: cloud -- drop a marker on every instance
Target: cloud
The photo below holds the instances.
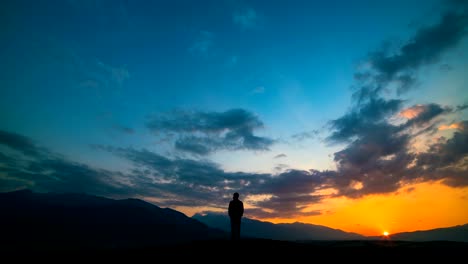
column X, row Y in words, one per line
column 173, row 182
column 124, row 129
column 422, row 114
column 459, row 125
column 447, row 159
column 19, row 143
column 385, row 67
column 462, row 107
column 202, row 133
column 378, row 155
column 202, row 183
column 412, row 112
column 362, row 119
column 379, row 158
column 186, row 182
column 305, row 135
column 27, row 165
column 246, row 18
column 282, row 155
column 280, row 168
column 203, row 43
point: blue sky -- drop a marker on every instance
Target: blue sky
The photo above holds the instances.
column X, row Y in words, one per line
column 250, row 87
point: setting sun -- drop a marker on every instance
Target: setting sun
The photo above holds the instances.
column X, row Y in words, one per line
column 385, row 233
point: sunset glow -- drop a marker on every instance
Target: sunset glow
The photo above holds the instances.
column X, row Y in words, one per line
column 348, row 114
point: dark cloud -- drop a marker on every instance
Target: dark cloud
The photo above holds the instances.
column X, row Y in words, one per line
column 374, row 161
column 305, row 135
column 423, row 114
column 185, row 181
column 39, row 169
column 291, row 192
column 282, row 155
column 379, row 156
column 19, row 143
column 173, row 182
column 377, row 163
column 362, row 118
column 203, row 183
column 124, row 129
column 425, row 47
column 205, row 132
column 462, row 107
column 447, row 159
column 289, row 206
column 399, row 67
column 280, row 167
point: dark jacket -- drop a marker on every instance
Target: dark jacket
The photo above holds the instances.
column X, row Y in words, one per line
column 236, row 209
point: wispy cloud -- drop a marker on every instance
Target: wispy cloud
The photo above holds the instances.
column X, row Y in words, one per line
column 282, row 155
column 305, row 135
column 202, row 133
column 399, row 66
column 124, row 129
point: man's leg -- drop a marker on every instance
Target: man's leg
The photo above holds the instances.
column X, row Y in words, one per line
column 233, row 229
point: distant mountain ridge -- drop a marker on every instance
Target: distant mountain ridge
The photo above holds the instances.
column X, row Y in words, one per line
column 294, row 232
column 72, row 220
column 304, row 232
column 457, row 233
column 78, row 220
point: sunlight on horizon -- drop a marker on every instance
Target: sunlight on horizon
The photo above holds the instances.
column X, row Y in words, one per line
column 410, row 209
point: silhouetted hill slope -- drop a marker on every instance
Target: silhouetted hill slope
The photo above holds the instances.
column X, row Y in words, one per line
column 455, row 233
column 263, row 250
column 77, row 220
column 267, row 230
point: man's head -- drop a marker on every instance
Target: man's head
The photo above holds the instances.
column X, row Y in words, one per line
column 235, row 196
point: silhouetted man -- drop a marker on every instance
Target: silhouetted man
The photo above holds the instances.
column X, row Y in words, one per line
column 236, row 210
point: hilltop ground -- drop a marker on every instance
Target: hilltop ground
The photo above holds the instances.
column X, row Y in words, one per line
column 266, row 250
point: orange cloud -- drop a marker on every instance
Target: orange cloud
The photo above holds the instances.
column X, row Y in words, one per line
column 412, row 112
column 451, row 126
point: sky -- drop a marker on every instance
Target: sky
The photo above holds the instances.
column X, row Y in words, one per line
column 348, row 114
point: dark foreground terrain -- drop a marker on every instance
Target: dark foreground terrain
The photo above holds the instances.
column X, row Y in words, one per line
column 84, row 228
column 255, row 250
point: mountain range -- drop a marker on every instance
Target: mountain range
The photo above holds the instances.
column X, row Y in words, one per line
column 72, row 220
column 294, row 231
column 305, row 232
